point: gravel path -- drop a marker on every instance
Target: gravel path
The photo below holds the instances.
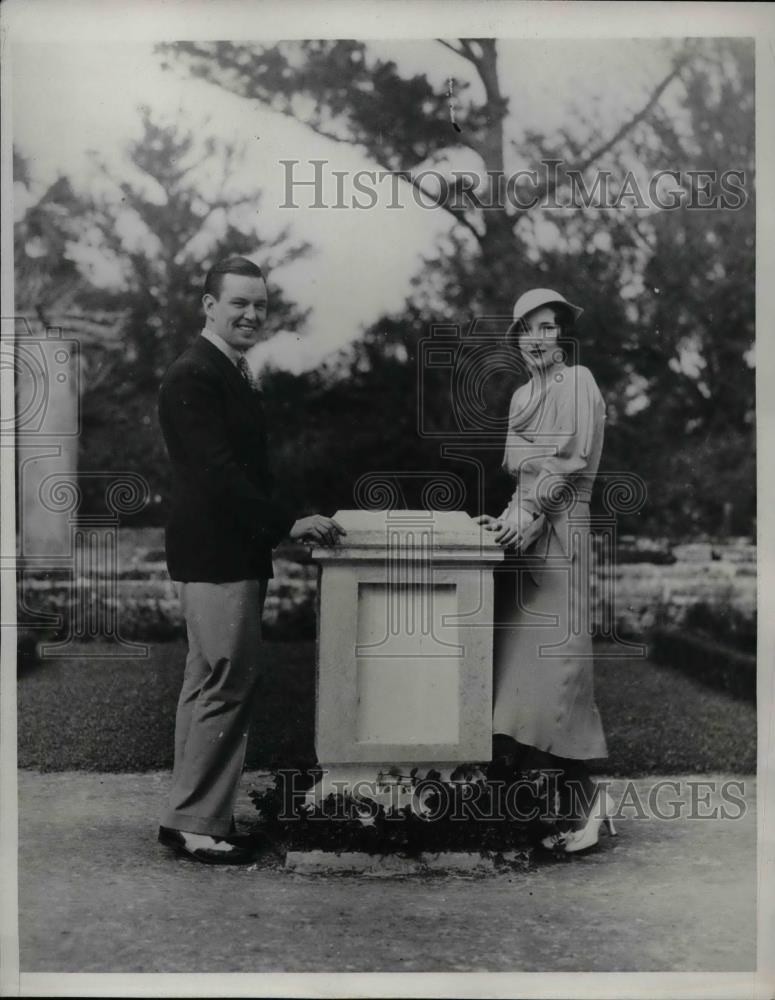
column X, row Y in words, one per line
column 98, row 894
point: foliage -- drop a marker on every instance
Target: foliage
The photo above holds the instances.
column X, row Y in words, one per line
column 159, row 232
column 709, row 661
column 668, row 327
column 47, row 275
column 723, row 622
column 668, row 295
column 179, row 229
column 342, row 823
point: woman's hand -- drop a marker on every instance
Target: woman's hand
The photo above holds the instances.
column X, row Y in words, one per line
column 507, row 533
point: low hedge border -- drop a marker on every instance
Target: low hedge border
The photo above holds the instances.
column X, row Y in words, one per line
column 706, row 659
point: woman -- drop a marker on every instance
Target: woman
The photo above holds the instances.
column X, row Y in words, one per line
column 545, row 715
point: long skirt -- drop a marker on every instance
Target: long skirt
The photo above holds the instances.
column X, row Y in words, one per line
column 543, row 687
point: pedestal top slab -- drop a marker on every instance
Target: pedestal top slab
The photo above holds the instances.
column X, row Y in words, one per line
column 447, row 533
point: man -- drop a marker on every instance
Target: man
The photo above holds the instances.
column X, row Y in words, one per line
column 224, row 521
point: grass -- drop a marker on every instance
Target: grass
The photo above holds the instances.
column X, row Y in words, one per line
column 109, row 715
column 658, row 720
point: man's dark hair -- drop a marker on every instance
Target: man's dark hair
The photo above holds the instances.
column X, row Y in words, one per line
column 229, row 265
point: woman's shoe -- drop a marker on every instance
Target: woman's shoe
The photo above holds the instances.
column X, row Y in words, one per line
column 555, row 841
column 588, row 835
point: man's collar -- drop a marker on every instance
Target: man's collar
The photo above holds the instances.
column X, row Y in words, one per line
column 217, row 341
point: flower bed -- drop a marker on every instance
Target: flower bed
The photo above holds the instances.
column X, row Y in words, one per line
column 344, row 824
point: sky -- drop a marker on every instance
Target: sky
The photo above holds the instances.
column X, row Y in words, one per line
column 71, row 98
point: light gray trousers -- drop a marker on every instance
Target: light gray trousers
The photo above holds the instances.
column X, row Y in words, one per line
column 216, row 704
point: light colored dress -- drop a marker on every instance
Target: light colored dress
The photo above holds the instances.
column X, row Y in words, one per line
column 543, row 689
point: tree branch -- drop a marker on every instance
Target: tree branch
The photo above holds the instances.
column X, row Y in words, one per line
column 628, row 125
column 635, row 120
column 465, row 51
column 458, row 214
column 458, row 52
column 481, row 42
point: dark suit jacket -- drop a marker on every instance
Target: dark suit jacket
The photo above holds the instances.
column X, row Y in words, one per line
column 224, row 520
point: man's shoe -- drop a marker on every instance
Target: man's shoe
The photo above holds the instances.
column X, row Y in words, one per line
column 235, row 850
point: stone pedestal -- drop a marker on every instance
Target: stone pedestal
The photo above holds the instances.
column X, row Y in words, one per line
column 404, row 656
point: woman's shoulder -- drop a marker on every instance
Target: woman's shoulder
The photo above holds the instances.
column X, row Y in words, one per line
column 573, row 378
column 579, row 372
column 575, row 386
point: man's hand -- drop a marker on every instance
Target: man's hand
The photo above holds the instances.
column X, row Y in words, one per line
column 317, row 528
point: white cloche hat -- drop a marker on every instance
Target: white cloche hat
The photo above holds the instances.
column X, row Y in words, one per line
column 538, row 297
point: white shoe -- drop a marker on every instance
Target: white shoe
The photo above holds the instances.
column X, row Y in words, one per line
column 234, row 850
column 588, row 835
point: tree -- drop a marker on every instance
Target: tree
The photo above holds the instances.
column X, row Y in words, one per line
column 178, row 233
column 47, row 278
column 160, row 232
column 342, row 93
column 641, row 340
column 699, row 357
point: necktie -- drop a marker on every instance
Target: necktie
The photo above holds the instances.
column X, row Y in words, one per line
column 244, row 369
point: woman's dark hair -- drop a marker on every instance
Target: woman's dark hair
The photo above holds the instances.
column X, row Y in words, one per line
column 229, row 265
column 566, row 342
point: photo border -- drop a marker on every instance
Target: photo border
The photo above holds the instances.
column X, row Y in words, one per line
column 47, row 20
